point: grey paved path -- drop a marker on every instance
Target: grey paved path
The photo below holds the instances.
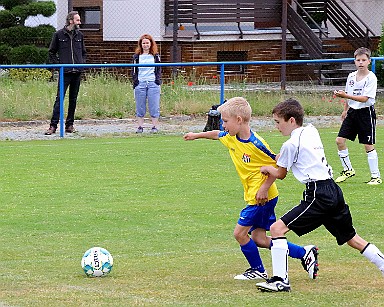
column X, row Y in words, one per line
column 34, row 130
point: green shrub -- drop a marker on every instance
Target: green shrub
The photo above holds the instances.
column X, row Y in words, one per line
column 28, row 54
column 9, row 4
column 7, row 19
column 379, row 71
column 39, row 36
column 46, row 8
column 4, row 52
column 28, row 74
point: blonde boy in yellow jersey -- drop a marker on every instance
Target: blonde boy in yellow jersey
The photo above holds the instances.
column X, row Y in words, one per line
column 249, row 152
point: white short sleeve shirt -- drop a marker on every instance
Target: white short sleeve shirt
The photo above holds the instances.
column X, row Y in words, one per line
column 304, row 154
column 365, row 87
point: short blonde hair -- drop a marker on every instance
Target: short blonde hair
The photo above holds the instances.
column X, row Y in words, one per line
column 362, row 51
column 236, row 106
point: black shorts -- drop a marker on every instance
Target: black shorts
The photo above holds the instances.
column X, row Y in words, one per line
column 361, row 122
column 323, row 204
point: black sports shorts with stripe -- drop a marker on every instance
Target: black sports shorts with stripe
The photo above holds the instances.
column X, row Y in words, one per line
column 360, row 122
column 323, row 204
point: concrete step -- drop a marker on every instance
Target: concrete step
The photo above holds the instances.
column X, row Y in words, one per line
column 336, row 55
column 333, row 81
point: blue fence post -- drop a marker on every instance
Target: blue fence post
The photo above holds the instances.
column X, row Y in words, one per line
column 222, row 82
column 61, row 90
column 373, row 65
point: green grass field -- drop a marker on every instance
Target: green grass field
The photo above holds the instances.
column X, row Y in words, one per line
column 165, row 209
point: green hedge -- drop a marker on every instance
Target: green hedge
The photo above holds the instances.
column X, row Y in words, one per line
column 45, row 8
column 7, row 19
column 379, row 64
column 9, row 4
column 28, row 54
column 4, row 54
column 20, row 35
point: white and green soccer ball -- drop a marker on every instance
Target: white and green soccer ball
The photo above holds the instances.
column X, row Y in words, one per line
column 97, row 262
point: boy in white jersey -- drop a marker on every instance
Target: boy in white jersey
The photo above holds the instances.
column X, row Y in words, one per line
column 323, row 202
column 359, row 117
column 249, row 152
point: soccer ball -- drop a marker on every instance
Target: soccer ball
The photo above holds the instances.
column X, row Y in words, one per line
column 97, row 262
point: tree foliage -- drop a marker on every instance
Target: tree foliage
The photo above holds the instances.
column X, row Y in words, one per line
column 30, row 42
column 379, row 64
column 9, row 4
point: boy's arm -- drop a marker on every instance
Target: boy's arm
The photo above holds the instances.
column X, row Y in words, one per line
column 262, row 193
column 343, row 94
column 212, row 135
column 345, row 110
column 279, row 172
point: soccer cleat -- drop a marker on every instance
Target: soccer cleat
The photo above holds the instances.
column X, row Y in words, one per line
column 252, row 274
column 309, row 261
column 344, row 175
column 275, row 284
column 375, row 181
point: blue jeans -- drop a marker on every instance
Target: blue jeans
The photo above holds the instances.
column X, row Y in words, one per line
column 147, row 90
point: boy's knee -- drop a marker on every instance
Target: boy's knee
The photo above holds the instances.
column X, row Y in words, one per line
column 241, row 236
column 278, row 229
column 237, row 234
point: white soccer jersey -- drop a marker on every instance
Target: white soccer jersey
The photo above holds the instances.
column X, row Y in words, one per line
column 365, row 87
column 304, row 154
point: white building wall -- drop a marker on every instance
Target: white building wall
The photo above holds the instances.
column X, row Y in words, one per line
column 61, row 13
column 127, row 20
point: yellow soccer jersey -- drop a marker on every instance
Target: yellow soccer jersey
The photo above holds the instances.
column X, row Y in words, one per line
column 248, row 156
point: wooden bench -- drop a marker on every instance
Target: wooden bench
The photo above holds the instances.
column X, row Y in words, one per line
column 262, row 13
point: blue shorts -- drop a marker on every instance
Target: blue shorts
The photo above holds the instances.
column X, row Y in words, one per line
column 259, row 216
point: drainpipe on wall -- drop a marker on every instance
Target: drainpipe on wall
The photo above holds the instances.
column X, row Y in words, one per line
column 175, row 30
column 283, row 73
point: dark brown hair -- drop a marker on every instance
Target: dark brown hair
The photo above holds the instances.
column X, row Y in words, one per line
column 290, row 108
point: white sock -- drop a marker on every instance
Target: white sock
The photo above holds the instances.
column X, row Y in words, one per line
column 279, row 251
column 373, row 254
column 344, row 158
column 373, row 162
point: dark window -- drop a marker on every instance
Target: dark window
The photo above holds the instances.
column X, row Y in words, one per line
column 90, row 17
column 232, row 56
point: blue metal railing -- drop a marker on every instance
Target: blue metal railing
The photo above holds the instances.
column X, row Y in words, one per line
column 221, row 64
